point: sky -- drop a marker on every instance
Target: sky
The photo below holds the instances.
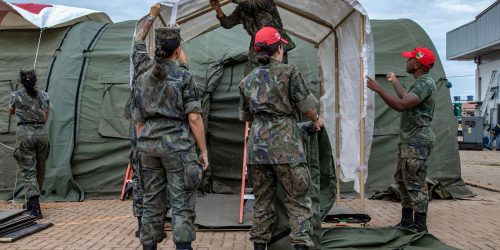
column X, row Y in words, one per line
column 435, row 16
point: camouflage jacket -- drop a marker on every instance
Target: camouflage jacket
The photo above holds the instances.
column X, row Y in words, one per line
column 415, row 123
column 270, row 96
column 29, row 109
column 254, row 15
column 163, row 106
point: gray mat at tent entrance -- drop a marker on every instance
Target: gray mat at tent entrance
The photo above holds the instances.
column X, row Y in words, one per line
column 379, row 238
column 217, row 211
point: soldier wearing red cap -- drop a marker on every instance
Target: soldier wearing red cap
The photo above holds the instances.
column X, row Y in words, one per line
column 416, row 136
column 271, row 95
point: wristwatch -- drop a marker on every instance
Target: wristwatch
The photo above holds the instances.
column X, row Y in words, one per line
column 150, row 18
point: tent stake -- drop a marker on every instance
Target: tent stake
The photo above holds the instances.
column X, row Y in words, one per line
column 362, row 164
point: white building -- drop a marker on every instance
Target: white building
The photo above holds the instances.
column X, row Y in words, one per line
column 479, row 40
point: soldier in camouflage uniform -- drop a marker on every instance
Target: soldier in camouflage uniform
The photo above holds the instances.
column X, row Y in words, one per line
column 416, row 136
column 31, row 108
column 253, row 15
column 271, row 95
column 141, row 63
column 169, row 129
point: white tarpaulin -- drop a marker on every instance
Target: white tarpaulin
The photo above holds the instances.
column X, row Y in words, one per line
column 39, row 16
column 335, row 26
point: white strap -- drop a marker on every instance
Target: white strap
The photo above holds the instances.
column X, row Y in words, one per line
column 38, row 48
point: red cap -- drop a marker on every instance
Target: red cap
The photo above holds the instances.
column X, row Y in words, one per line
column 424, row 56
column 268, row 36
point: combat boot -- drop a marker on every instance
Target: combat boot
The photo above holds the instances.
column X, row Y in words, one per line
column 301, row 247
column 406, row 218
column 35, row 207
column 28, row 206
column 149, row 247
column 259, row 246
column 183, row 246
column 139, row 225
column 420, row 224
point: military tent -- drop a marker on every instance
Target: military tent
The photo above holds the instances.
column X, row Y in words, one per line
column 99, row 159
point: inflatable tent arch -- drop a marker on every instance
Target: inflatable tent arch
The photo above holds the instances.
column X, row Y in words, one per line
column 341, row 31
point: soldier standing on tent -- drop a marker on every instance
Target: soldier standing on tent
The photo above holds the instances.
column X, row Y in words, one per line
column 169, row 129
column 253, row 15
column 31, row 107
column 415, row 137
column 270, row 97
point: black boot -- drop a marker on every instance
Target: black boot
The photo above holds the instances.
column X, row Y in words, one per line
column 138, row 232
column 259, row 246
column 149, row 247
column 183, row 246
column 406, row 218
column 35, row 207
column 301, row 247
column 28, row 206
column 420, row 224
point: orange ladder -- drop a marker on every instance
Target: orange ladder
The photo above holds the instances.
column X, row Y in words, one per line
column 244, row 196
column 128, row 178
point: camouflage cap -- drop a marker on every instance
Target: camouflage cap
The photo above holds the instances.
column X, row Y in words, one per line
column 171, row 35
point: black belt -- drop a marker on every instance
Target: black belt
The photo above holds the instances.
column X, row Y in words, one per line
column 30, row 123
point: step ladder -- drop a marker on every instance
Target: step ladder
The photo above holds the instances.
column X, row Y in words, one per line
column 127, row 181
column 245, row 192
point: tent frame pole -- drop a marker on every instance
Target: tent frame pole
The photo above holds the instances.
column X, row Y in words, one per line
column 337, row 118
column 201, row 12
column 362, row 163
column 303, row 14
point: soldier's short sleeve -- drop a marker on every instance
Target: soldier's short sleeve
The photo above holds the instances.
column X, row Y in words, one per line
column 232, row 20
column 245, row 114
column 45, row 102
column 14, row 100
column 300, row 93
column 190, row 97
column 421, row 89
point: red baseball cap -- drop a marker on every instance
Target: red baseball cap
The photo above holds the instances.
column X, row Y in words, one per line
column 267, row 36
column 424, row 56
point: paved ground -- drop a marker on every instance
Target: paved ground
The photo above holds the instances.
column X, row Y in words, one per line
column 108, row 224
column 482, row 167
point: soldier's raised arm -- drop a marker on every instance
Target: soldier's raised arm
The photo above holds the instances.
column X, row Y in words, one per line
column 226, row 22
column 140, row 56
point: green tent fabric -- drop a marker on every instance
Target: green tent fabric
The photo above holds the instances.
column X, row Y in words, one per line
column 64, row 87
column 101, row 153
column 444, row 162
column 379, row 238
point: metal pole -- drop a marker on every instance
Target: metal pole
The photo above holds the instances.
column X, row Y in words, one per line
column 337, row 119
column 362, row 164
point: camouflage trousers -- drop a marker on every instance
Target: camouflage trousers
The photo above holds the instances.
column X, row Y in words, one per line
column 411, row 173
column 181, row 174
column 32, row 150
column 138, row 187
column 296, row 181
